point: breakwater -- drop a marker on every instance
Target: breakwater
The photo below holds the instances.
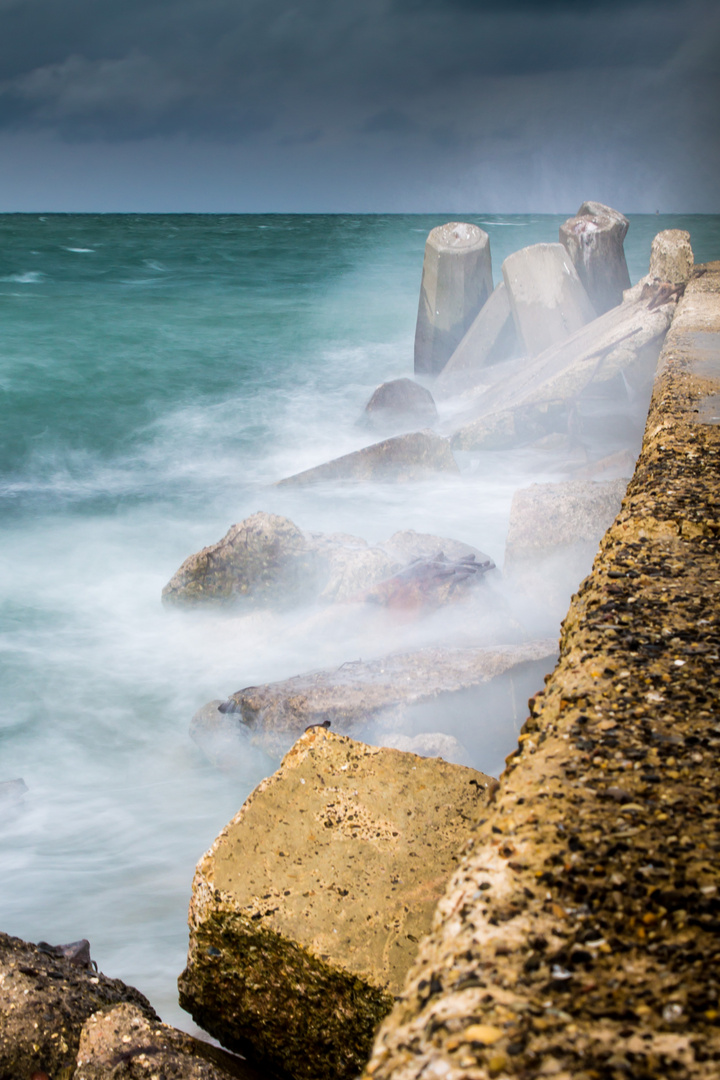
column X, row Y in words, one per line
column 579, row 936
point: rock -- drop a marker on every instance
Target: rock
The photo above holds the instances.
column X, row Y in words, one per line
column 671, row 256
column 428, row 583
column 44, row 1001
column 401, row 458
column 307, row 910
column 428, row 744
column 456, row 282
column 268, row 561
column 400, row 404
column 361, row 692
column 616, row 352
column 594, row 240
column 123, row 1044
column 265, row 560
column 547, row 299
column 490, row 339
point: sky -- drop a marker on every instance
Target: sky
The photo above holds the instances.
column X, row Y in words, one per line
column 492, row 106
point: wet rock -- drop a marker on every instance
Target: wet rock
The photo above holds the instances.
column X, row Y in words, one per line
column 547, row 298
column 123, row 1044
column 307, row 911
column 77, row 952
column 594, row 240
column 398, row 405
column 428, row 583
column 359, row 692
column 615, row 355
column 456, row 282
column 490, row 339
column 399, row 459
column 671, row 256
column 44, row 1001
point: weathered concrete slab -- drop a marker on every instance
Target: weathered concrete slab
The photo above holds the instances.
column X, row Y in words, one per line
column 399, row 459
column 123, row 1044
column 620, row 346
column 594, row 240
column 579, row 936
column 44, row 1001
column 547, row 299
column 358, row 692
column 490, row 339
column 671, row 256
column 456, row 282
column 307, row 911
column 400, row 405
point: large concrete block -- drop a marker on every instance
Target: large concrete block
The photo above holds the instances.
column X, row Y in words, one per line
column 456, row 282
column 594, row 240
column 307, row 911
column 671, row 256
column 547, row 298
column 491, row 338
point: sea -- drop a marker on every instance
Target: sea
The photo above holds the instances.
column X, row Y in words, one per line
column 158, row 375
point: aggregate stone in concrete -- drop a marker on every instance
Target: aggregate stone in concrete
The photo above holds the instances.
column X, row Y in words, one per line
column 121, row 1043
column 594, row 240
column 579, row 937
column 456, row 282
column 44, row 1001
column 307, row 911
column 401, row 458
column 547, row 298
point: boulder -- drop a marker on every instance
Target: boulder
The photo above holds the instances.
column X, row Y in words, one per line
column 456, row 282
column 615, row 353
column 45, row 998
column 266, row 560
column 547, row 298
column 307, row 910
column 594, row 240
column 357, row 693
column 427, row 583
column 123, row 1044
column 490, row 339
column 671, row 257
column 401, row 458
column 398, row 405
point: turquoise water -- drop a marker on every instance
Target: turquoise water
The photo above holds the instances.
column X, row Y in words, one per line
column 157, row 373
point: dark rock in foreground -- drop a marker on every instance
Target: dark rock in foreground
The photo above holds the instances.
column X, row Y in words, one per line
column 44, row 1001
column 399, row 459
column 308, row 909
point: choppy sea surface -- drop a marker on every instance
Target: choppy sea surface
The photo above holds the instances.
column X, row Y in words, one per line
column 157, row 375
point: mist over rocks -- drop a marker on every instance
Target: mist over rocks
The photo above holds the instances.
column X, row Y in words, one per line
column 399, row 404
column 307, row 910
column 594, row 240
column 456, row 282
column 399, row 459
column 358, row 693
column 44, row 1001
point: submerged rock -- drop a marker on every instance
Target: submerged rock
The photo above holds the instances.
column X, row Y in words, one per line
column 45, row 999
column 594, row 240
column 357, row 693
column 400, row 404
column 547, row 298
column 12, row 791
column 307, row 911
column 456, row 282
column 401, row 458
column 123, row 1044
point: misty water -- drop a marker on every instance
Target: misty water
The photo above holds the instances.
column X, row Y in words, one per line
column 158, row 374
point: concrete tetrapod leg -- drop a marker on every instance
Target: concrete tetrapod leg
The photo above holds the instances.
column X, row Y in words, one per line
column 594, row 240
column 579, row 937
column 547, row 298
column 307, row 911
column 456, row 282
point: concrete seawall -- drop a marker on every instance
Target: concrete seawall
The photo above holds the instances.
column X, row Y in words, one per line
column 580, row 936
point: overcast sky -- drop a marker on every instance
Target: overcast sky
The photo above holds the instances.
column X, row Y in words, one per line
column 359, row 105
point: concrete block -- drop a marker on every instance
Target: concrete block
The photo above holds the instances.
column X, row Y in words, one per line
column 671, row 256
column 594, row 240
column 491, row 338
column 547, row 298
column 456, row 282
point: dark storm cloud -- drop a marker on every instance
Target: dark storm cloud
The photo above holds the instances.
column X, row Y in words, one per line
column 219, row 68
